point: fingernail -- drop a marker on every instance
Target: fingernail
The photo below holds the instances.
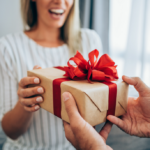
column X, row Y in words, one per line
column 36, row 80
column 39, row 99
column 36, row 107
column 36, row 67
column 65, row 97
column 40, row 90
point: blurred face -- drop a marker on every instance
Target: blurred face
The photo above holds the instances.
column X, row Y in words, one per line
column 53, row 13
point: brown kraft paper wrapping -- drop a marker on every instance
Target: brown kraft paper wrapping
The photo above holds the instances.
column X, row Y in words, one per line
column 91, row 98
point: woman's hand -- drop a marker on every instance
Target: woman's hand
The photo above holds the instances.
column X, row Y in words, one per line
column 28, row 96
column 137, row 119
column 81, row 134
column 16, row 121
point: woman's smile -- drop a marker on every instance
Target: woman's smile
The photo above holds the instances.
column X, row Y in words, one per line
column 56, row 13
column 53, row 13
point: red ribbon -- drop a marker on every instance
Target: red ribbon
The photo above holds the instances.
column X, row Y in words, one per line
column 103, row 70
column 111, row 98
column 57, row 96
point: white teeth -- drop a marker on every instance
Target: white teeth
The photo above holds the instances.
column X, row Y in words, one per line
column 57, row 11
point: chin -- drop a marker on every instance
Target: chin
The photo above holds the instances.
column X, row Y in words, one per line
column 56, row 25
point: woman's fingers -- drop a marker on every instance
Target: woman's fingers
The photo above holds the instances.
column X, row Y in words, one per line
column 28, row 80
column 32, row 109
column 28, row 92
column 31, row 101
column 106, row 130
column 37, row 67
column 117, row 121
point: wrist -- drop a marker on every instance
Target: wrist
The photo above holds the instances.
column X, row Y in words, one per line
column 22, row 109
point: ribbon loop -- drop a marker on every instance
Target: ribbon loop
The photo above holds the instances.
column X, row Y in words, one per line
column 103, row 69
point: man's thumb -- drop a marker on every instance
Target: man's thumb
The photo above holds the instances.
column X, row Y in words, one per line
column 139, row 85
column 71, row 107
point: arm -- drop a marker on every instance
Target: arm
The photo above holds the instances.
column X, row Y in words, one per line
column 81, row 134
column 137, row 119
column 16, row 121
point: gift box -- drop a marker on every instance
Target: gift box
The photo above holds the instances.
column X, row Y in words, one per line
column 94, row 85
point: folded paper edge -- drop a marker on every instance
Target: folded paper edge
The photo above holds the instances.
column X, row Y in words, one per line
column 127, row 90
column 93, row 102
column 122, row 107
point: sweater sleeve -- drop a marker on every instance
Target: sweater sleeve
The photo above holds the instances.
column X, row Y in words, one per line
column 8, row 81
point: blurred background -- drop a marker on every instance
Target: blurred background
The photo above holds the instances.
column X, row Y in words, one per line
column 124, row 28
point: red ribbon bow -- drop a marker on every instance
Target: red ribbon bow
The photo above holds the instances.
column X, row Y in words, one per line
column 103, row 69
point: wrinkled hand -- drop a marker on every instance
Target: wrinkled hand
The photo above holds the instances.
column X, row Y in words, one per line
column 28, row 95
column 81, row 134
column 137, row 119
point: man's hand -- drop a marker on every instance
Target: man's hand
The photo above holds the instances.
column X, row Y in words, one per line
column 137, row 119
column 81, row 134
